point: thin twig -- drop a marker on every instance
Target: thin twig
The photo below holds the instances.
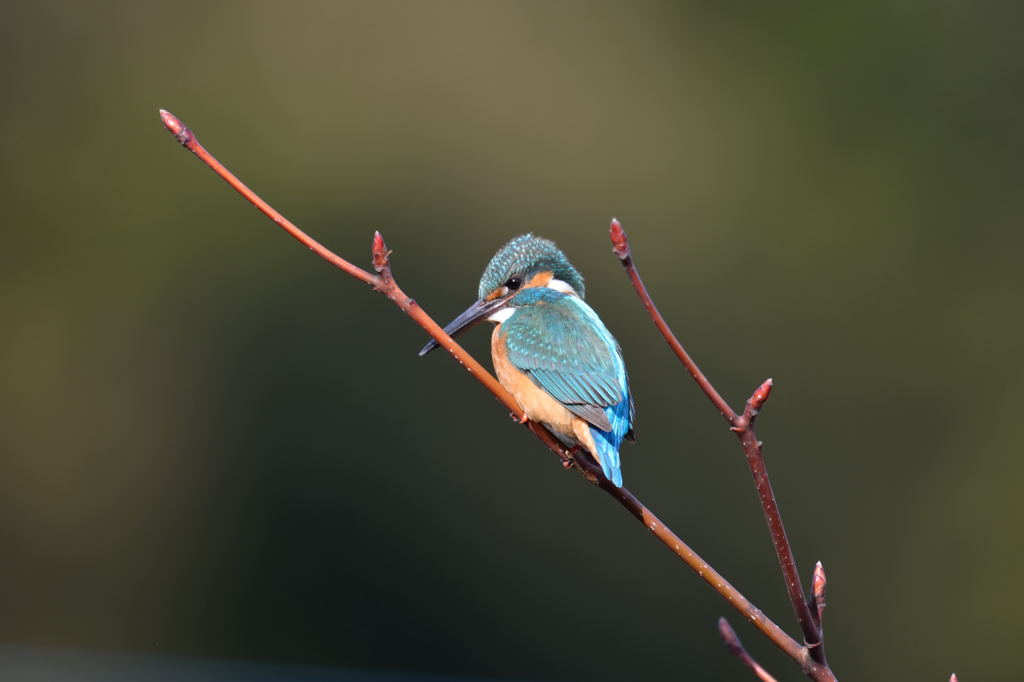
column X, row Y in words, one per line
column 732, row 641
column 743, row 426
column 620, row 245
column 385, row 283
column 752, row 448
column 382, row 282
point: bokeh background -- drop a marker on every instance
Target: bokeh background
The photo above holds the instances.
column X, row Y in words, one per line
column 212, row 444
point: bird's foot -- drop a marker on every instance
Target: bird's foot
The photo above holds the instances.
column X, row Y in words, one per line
column 570, row 457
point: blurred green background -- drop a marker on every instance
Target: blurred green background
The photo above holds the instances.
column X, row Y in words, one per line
column 213, row 444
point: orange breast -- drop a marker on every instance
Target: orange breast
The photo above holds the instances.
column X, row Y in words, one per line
column 535, row 401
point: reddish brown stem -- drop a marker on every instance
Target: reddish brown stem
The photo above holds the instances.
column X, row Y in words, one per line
column 385, row 283
column 382, row 281
column 743, row 426
column 732, row 641
column 620, row 245
column 189, row 141
column 752, row 448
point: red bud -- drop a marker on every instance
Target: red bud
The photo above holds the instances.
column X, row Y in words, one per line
column 759, row 397
column 620, row 244
column 818, row 584
column 380, row 253
column 177, row 128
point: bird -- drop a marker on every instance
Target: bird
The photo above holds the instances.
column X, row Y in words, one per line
column 552, row 351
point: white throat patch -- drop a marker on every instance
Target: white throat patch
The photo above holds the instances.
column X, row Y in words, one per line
column 501, row 314
column 559, row 285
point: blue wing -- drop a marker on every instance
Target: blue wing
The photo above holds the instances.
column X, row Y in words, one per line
column 563, row 346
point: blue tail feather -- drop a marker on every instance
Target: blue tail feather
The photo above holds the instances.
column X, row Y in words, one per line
column 608, row 442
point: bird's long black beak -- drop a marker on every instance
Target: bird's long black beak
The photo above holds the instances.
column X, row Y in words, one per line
column 472, row 316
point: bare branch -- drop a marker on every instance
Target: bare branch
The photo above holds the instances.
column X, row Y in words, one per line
column 621, row 248
column 732, row 641
column 743, row 426
column 385, row 283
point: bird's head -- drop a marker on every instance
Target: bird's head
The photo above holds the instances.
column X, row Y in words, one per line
column 525, row 262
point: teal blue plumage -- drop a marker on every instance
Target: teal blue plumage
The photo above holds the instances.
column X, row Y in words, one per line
column 525, row 254
column 562, row 345
column 550, row 335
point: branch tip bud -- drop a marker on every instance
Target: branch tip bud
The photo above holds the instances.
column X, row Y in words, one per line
column 759, row 396
column 380, row 253
column 620, row 243
column 818, row 585
column 181, row 133
column 819, row 580
column 729, row 636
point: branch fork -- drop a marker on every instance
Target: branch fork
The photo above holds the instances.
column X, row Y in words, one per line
column 812, row 655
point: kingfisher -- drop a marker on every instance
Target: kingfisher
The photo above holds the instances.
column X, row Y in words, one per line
column 551, row 350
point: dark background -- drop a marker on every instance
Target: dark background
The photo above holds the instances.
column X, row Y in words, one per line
column 213, row 444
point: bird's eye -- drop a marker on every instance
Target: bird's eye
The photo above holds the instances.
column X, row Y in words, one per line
column 514, row 283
